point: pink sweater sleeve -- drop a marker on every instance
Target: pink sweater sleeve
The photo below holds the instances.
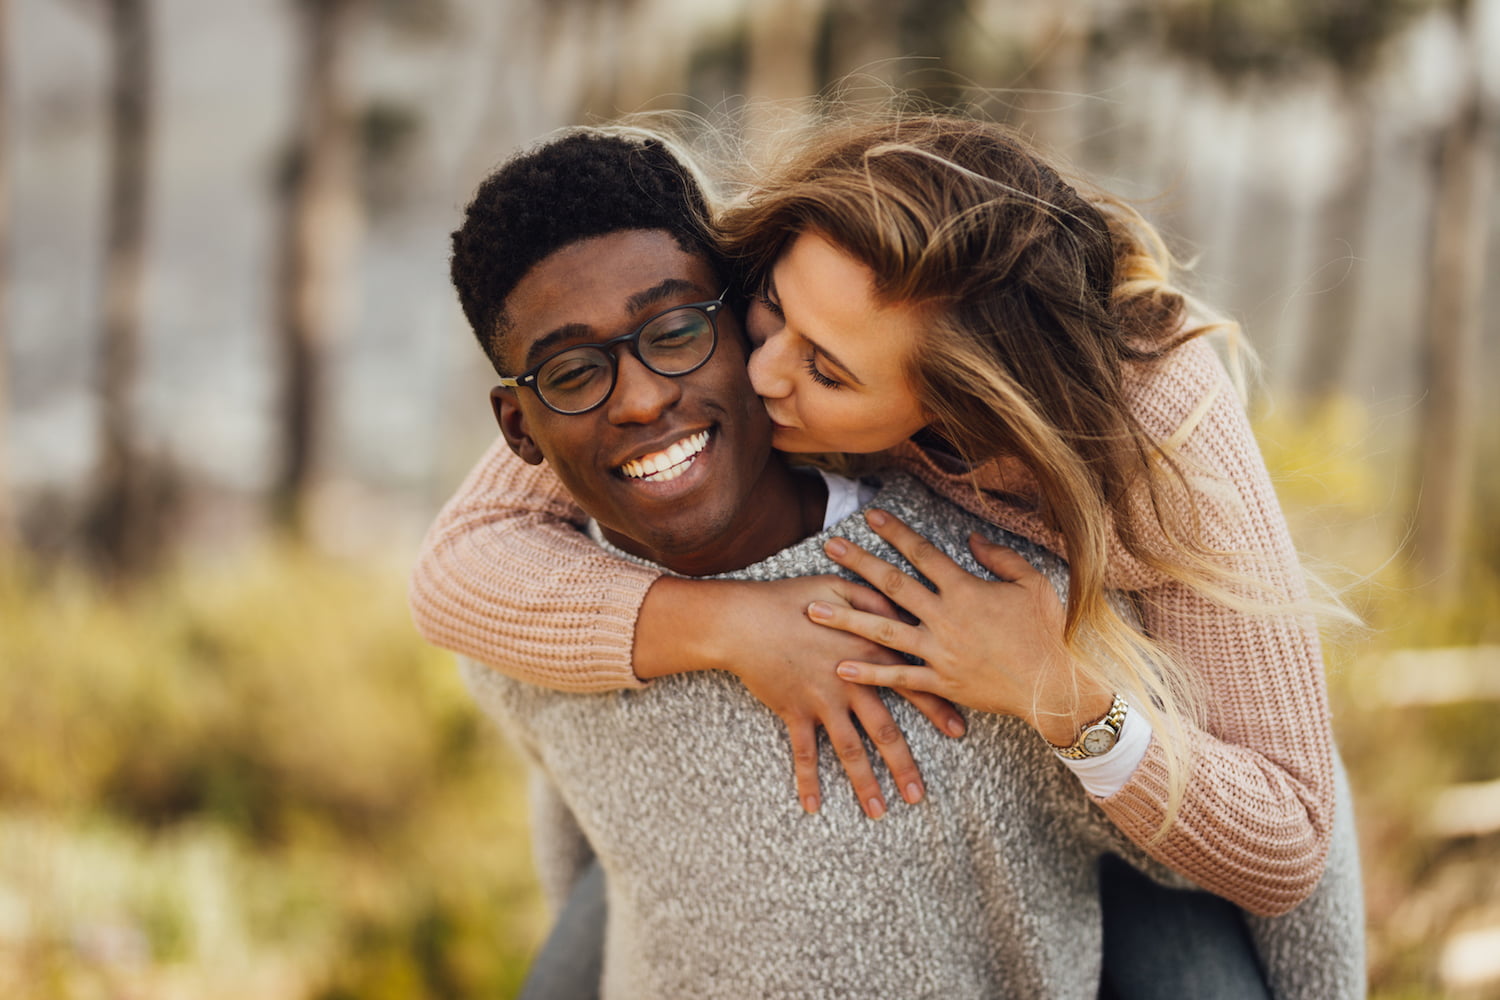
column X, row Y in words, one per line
column 1256, row 817
column 507, row 577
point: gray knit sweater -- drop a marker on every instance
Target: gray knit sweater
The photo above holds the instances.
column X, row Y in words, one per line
column 721, row 886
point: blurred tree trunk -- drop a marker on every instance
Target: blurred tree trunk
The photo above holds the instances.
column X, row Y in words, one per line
column 118, row 528
column 782, row 60
column 318, row 213
column 862, row 36
column 1241, row 40
column 1341, row 229
column 1463, row 182
column 1050, row 99
column 7, row 503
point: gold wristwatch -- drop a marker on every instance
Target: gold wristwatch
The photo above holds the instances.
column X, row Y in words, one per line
column 1099, row 737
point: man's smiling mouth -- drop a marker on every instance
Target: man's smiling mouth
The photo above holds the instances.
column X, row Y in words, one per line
column 661, row 466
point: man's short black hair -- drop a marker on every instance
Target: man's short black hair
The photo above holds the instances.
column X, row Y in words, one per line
column 584, row 184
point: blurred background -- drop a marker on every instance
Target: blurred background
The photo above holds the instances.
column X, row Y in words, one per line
column 235, row 387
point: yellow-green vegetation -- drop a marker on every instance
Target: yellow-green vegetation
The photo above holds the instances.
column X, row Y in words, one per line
column 249, row 781
column 254, row 780
column 1414, row 697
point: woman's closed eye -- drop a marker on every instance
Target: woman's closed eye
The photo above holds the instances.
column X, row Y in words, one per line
column 763, row 319
column 811, row 363
column 771, row 305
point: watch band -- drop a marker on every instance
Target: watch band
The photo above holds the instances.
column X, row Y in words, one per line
column 1100, row 737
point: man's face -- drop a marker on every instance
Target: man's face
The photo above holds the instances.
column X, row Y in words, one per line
column 708, row 425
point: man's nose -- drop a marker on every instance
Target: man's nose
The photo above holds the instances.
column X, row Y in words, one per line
column 769, row 370
column 640, row 394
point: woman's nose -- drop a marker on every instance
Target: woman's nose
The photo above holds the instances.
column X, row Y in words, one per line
column 769, row 373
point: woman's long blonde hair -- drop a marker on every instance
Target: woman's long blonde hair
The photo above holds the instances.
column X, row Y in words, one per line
column 1038, row 297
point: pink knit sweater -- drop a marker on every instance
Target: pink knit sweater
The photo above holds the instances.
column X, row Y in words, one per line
column 506, row 577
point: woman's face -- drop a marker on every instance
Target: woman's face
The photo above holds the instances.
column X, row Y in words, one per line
column 828, row 360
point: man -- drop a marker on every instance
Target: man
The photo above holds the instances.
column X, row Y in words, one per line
column 624, row 369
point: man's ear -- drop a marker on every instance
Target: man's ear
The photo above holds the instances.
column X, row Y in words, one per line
column 513, row 425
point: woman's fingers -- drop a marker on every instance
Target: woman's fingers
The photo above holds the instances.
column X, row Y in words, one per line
column 881, row 728
column 889, row 742
column 899, row 676
column 904, row 590
column 1007, row 564
column 866, row 600
column 939, row 711
column 925, row 557
column 882, row 631
column 804, row 736
column 849, row 745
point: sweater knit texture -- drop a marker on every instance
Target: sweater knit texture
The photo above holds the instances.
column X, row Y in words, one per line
column 720, row 886
column 507, row 577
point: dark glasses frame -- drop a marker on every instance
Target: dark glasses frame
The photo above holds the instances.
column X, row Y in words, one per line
column 527, row 379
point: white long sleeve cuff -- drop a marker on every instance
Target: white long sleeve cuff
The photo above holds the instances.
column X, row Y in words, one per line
column 1106, row 774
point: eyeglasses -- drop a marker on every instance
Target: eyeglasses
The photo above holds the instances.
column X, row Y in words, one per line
column 675, row 342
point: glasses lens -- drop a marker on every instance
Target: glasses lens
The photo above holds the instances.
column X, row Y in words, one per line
column 677, row 342
column 575, row 380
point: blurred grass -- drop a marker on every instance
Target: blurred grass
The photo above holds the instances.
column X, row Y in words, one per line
column 250, row 781
column 253, row 780
column 1346, row 492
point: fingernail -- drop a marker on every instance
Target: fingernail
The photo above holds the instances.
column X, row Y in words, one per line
column 914, row 793
column 847, row 672
column 956, row 726
column 820, row 612
column 810, row 803
column 876, row 517
column 875, row 808
column 836, row 547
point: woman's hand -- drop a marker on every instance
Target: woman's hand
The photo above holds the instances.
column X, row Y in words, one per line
column 759, row 631
column 993, row 645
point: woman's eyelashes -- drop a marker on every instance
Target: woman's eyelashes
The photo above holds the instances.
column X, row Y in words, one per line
column 811, row 363
column 766, row 299
column 760, row 321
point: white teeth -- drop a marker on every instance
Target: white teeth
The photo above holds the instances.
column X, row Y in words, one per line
column 668, row 464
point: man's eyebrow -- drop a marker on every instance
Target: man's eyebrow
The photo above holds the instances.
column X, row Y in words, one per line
column 661, row 291
column 657, row 294
column 542, row 346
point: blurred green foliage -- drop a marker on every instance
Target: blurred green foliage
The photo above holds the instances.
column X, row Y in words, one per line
column 249, row 780
column 1340, row 479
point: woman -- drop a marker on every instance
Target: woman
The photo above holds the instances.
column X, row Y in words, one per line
column 1025, row 357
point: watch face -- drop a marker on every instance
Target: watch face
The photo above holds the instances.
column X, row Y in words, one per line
column 1098, row 740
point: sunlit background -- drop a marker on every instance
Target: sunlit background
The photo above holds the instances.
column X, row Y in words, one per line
column 235, row 386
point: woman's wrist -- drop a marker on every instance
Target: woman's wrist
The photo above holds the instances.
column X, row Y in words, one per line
column 684, row 626
column 1062, row 727
column 1109, row 772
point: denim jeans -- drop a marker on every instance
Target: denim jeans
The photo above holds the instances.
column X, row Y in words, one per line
column 1159, row 943
column 571, row 960
column 1165, row 944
